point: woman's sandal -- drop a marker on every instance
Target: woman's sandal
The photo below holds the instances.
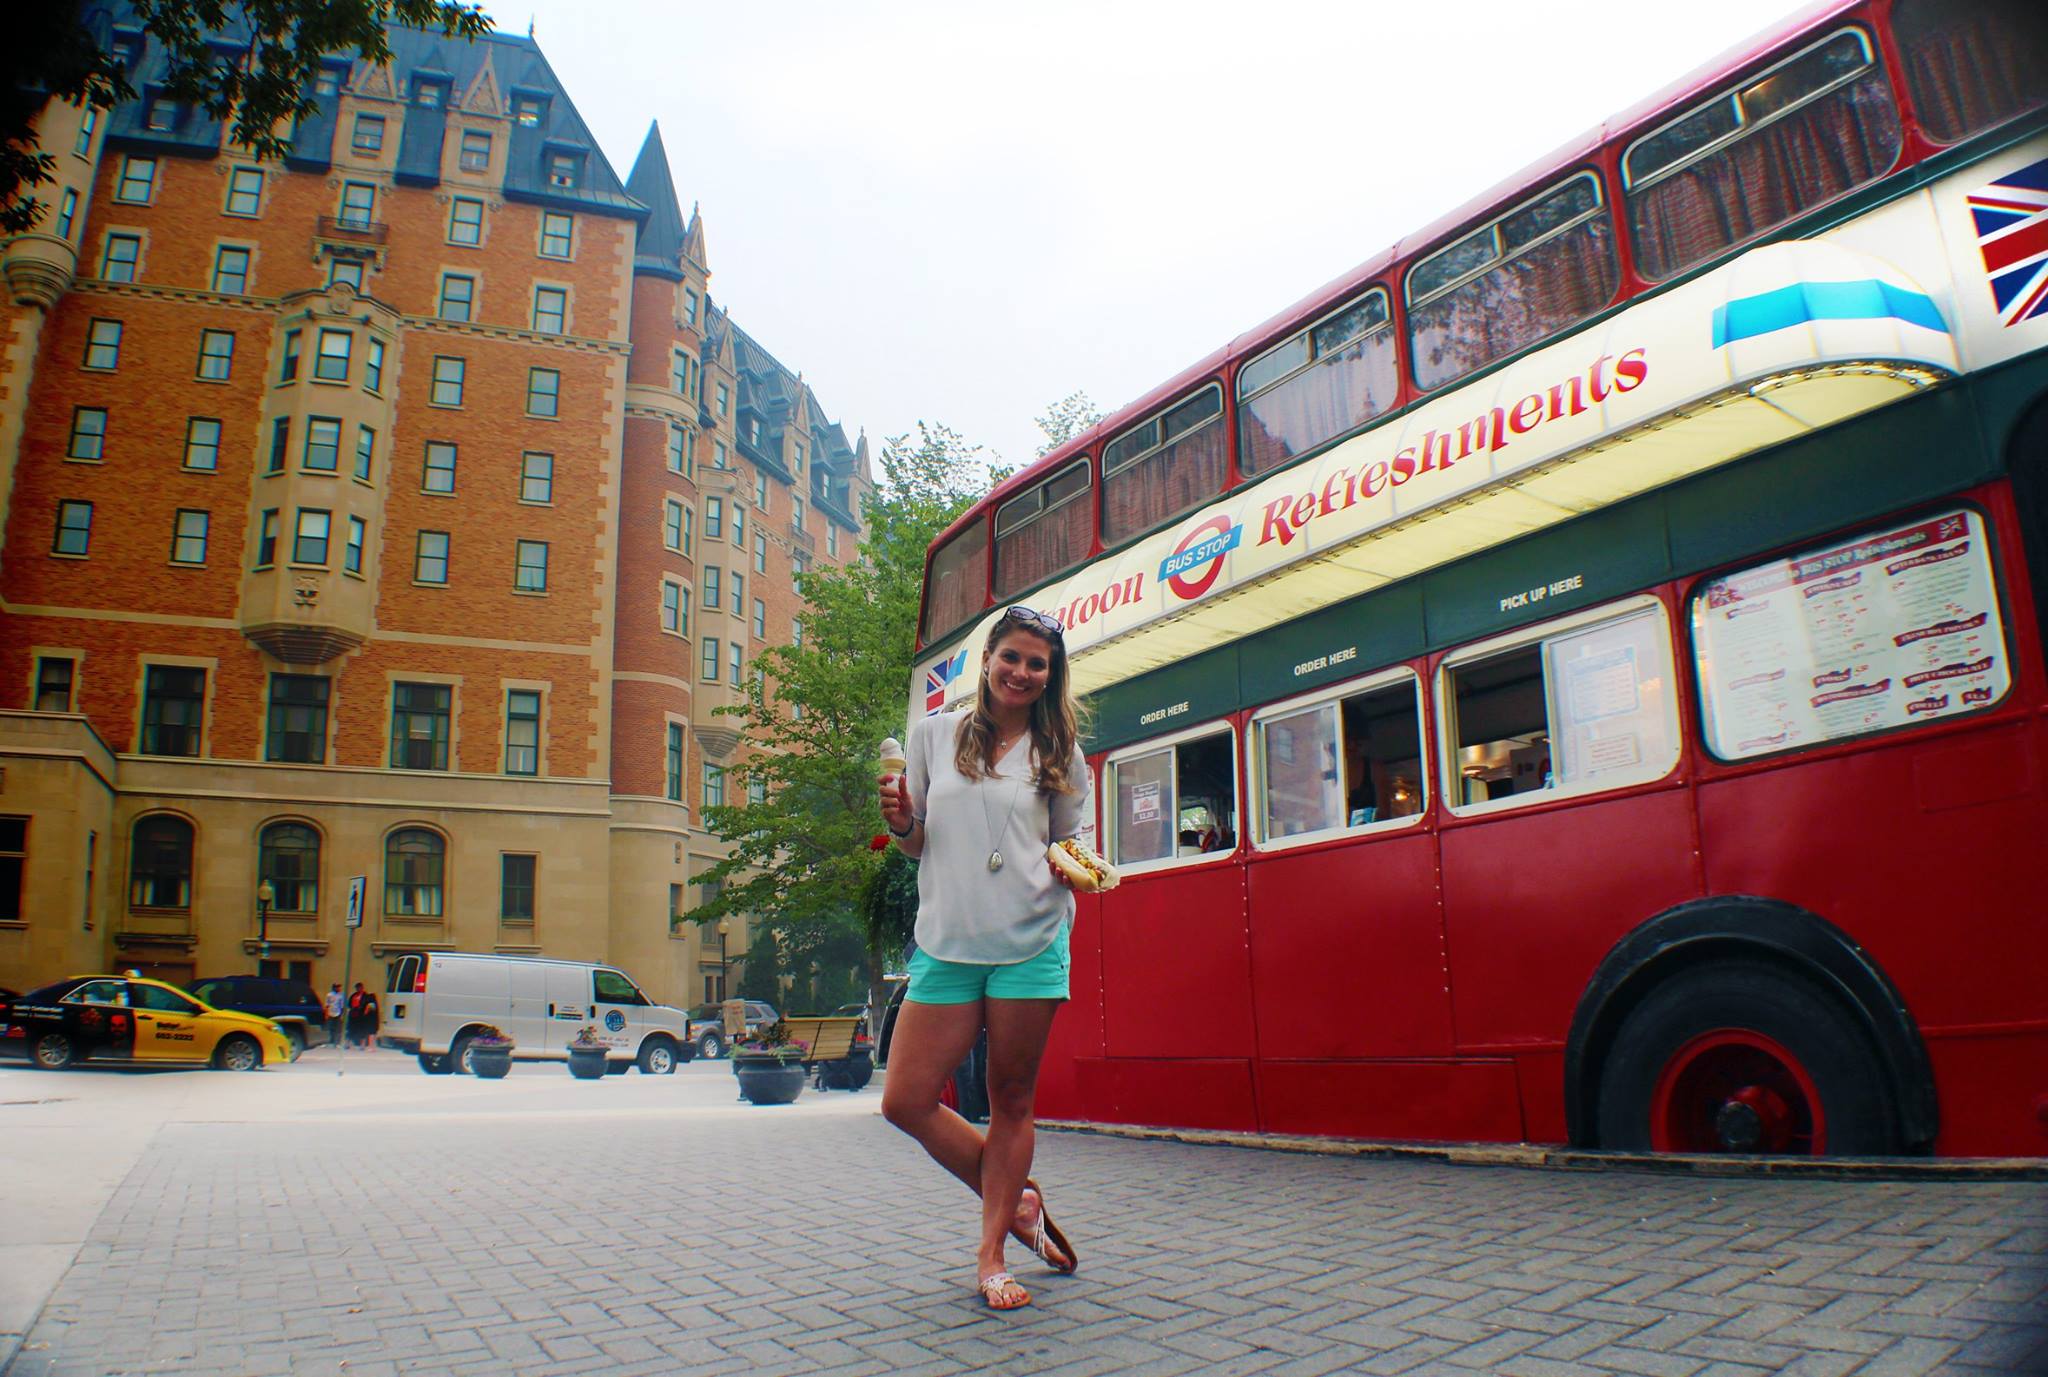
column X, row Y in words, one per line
column 1001, row 1291
column 1046, row 1232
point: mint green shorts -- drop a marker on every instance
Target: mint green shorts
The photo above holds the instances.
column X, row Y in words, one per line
column 1043, row 976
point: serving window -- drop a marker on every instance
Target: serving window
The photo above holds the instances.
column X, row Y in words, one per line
column 1583, row 704
column 1167, row 464
column 1043, row 530
column 1898, row 626
column 1349, row 760
column 1174, row 801
column 1329, row 379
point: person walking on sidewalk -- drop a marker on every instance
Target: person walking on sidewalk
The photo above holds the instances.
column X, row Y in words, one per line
column 337, row 1005
column 355, row 1015
column 985, row 792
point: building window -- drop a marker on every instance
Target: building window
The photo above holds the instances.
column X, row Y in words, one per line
column 83, row 144
column 231, row 270
column 476, row 151
column 550, row 309
column 732, row 663
column 672, row 524
column 413, row 858
column 689, row 308
column 74, row 529
column 714, row 784
column 448, row 375
column 673, row 779
column 160, row 115
column 760, row 619
column 713, row 580
column 530, row 574
column 672, row 613
column 719, row 456
column 172, row 697
column 188, row 537
column 761, row 490
column 439, row 475
column 739, row 594
column 373, row 365
column 309, row 539
column 216, row 355
column 796, row 630
column 555, row 231
column 527, row 111
column 430, row 558
column 466, row 221
column 330, row 363
column 288, row 367
column 757, row 790
column 53, row 683
column 676, row 446
column 689, row 530
column 288, row 856
column 714, row 518
column 352, row 552
column 266, row 539
column 160, row 863
column 123, row 252
column 543, row 392
column 457, row 294
column 522, row 732
column 419, row 726
column 832, row 540
column 537, row 478
column 137, row 182
column 739, row 526
column 515, row 887
column 796, row 512
column 369, row 134
column 103, row 344
column 798, row 451
column 327, row 82
column 323, row 444
column 724, row 402
column 88, row 433
column 710, row 670
column 347, row 270
column 366, row 449
column 245, row 191
column 298, row 720
column 429, row 94
column 679, row 372
column 280, row 443
column 760, row 552
column 563, row 169
column 358, row 205
column 67, row 214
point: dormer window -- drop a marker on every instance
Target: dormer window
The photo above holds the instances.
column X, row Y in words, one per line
column 430, row 93
column 327, row 82
column 565, row 170
column 527, row 110
column 163, row 114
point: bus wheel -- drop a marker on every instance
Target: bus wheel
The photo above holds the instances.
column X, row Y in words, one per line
column 1743, row 1057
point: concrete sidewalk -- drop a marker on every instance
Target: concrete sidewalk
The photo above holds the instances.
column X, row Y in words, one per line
column 392, row 1222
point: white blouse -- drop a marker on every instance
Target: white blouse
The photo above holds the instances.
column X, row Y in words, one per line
column 965, row 911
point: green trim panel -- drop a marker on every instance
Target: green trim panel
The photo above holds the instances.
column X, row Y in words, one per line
column 1332, row 645
column 1165, row 700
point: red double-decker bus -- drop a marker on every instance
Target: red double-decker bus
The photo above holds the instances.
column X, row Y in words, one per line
column 1578, row 677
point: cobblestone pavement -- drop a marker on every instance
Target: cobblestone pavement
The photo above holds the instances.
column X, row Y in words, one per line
column 459, row 1234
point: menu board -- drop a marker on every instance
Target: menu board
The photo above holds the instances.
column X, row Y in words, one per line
column 1610, row 695
column 1899, row 626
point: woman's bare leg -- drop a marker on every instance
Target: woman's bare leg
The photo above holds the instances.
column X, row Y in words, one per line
column 930, row 1040
column 1017, row 1033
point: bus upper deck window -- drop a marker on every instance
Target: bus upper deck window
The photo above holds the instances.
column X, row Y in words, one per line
column 1326, row 380
column 1969, row 67
column 1167, row 464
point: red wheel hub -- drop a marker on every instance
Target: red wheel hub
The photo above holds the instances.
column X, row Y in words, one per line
column 1736, row 1090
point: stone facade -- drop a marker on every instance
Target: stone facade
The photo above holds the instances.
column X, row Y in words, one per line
column 358, row 517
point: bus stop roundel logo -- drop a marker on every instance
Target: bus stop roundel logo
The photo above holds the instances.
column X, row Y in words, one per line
column 1197, row 562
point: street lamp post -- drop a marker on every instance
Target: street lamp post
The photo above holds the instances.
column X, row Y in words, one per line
column 264, row 894
column 723, row 927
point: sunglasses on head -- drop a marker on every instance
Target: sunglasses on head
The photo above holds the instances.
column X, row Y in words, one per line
column 1038, row 621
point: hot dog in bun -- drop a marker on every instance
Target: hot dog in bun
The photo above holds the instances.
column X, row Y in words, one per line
column 1086, row 871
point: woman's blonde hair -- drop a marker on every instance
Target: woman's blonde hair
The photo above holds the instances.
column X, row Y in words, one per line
column 1055, row 719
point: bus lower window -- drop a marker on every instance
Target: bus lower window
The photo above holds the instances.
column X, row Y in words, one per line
column 1179, row 801
column 1503, row 736
column 1376, row 736
column 1969, row 67
column 1382, row 755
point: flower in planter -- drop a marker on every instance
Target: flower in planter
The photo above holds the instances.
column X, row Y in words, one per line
column 490, row 1036
column 587, row 1036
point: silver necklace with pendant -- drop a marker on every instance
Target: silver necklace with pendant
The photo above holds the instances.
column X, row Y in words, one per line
column 995, row 852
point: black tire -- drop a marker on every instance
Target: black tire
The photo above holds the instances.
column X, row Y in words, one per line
column 458, row 1057
column 435, row 1064
column 53, row 1052
column 238, row 1053
column 658, row 1057
column 297, row 1038
column 615, row 1067
column 711, row 1046
column 1733, row 1000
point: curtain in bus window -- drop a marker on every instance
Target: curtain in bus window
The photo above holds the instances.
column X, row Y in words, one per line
column 1339, row 393
column 959, row 581
column 1303, row 791
column 1969, row 67
column 1840, row 141
column 1058, row 540
column 1145, row 808
column 1169, row 480
column 1524, row 300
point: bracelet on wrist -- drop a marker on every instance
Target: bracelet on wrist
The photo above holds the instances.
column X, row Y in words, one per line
column 905, row 832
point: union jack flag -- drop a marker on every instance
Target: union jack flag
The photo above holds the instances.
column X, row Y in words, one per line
column 935, row 680
column 2011, row 216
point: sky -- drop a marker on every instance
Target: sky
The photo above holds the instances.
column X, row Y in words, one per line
column 960, row 213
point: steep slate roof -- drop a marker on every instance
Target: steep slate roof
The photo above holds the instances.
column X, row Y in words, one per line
column 662, row 233
column 771, row 392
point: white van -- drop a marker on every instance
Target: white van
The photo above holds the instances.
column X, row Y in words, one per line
column 436, row 1001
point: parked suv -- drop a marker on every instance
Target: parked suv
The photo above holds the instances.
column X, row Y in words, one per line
column 290, row 1004
column 707, row 1021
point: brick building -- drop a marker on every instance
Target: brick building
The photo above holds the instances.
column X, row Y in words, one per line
column 400, row 511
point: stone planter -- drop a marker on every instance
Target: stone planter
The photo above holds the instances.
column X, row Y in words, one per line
column 588, row 1063
column 768, row 1080
column 490, row 1063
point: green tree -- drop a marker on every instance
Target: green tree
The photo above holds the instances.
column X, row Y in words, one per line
column 265, row 84
column 1071, row 415
column 815, row 715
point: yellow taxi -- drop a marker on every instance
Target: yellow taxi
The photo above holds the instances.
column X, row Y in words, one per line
column 130, row 1019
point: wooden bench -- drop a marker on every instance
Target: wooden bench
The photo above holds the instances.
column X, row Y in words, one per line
column 828, row 1048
